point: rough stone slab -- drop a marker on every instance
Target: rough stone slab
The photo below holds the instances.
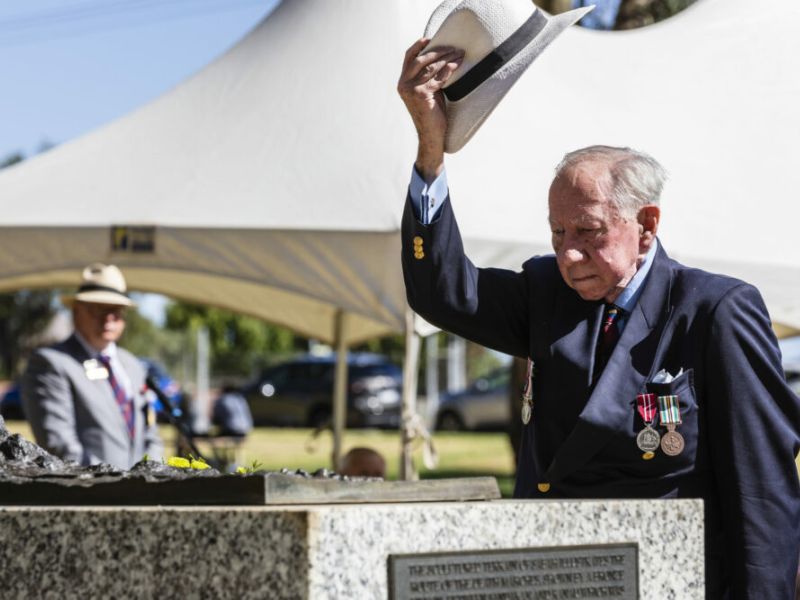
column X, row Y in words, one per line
column 321, row 552
column 255, row 489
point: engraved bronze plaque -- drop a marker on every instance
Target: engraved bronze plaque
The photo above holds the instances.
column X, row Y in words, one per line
column 598, row 571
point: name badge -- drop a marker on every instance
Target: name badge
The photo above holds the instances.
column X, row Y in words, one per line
column 94, row 370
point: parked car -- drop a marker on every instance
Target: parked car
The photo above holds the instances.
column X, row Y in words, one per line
column 483, row 405
column 299, row 392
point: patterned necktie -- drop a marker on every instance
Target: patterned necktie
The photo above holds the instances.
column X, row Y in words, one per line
column 125, row 403
column 609, row 336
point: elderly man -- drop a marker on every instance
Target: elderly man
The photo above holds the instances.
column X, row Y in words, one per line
column 84, row 397
column 648, row 379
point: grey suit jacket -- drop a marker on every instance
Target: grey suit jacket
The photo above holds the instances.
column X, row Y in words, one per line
column 77, row 418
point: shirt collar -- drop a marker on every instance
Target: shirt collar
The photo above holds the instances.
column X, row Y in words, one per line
column 110, row 351
column 629, row 296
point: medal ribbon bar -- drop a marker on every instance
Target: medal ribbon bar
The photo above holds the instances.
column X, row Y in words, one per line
column 646, row 405
column 669, row 410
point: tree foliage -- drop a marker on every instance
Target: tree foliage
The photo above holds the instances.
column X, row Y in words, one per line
column 632, row 13
column 240, row 345
column 23, row 315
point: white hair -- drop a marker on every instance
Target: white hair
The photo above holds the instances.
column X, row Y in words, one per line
column 636, row 178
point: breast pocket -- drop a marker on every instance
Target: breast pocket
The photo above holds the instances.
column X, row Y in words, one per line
column 682, row 390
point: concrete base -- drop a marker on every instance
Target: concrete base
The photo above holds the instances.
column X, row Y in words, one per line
column 320, row 551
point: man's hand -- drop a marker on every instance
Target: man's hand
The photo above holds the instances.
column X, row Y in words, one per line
column 420, row 86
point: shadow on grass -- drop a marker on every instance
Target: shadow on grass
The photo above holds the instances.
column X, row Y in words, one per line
column 504, row 482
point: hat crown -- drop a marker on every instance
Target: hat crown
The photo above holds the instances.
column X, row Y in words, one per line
column 105, row 276
column 476, row 26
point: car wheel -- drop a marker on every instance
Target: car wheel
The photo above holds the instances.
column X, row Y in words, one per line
column 319, row 417
column 449, row 421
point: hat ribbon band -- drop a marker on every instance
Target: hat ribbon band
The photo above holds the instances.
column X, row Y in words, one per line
column 92, row 287
column 498, row 57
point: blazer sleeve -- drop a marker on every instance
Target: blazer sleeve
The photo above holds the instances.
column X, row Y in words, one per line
column 487, row 306
column 47, row 399
column 753, row 423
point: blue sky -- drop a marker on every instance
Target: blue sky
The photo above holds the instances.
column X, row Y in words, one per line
column 70, row 66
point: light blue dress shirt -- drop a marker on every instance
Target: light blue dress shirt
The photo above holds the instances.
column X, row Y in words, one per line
column 630, row 295
column 427, row 200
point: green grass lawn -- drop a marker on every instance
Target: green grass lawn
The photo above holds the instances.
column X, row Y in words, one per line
column 460, row 454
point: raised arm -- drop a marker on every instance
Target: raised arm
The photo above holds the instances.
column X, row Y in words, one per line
column 420, row 84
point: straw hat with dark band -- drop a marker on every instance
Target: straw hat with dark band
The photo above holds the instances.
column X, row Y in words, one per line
column 500, row 39
column 100, row 284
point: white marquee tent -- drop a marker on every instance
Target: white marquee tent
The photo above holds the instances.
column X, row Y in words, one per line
column 274, row 178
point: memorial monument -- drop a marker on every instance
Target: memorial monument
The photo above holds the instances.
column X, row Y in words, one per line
column 71, row 531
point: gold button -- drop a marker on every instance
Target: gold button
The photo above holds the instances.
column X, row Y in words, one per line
column 417, row 241
column 419, row 255
column 543, row 487
column 648, row 455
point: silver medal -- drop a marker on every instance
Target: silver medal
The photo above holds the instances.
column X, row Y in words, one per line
column 648, row 439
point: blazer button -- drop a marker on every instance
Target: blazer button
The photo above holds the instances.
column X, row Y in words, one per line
column 543, row 487
column 417, row 240
column 419, row 255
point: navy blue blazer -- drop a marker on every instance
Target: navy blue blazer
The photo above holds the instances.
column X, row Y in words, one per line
column 740, row 419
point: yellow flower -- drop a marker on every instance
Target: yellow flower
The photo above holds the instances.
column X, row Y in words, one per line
column 241, row 470
column 199, row 464
column 178, row 462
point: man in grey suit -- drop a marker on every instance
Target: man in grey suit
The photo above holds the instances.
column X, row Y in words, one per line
column 84, row 397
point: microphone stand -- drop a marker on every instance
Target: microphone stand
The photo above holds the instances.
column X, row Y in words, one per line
column 183, row 430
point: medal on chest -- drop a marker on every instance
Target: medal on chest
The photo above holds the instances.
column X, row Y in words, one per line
column 527, row 395
column 648, row 439
column 669, row 409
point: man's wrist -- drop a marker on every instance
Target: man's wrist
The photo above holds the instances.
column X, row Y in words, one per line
column 430, row 160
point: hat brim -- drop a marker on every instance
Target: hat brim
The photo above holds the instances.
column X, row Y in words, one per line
column 97, row 297
column 465, row 116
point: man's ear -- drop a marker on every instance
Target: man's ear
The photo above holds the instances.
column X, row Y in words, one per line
column 648, row 219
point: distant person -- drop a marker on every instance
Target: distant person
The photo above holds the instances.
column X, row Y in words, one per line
column 232, row 414
column 363, row 462
column 84, row 397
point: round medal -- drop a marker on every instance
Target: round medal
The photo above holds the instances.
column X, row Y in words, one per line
column 526, row 413
column 672, row 443
column 648, row 439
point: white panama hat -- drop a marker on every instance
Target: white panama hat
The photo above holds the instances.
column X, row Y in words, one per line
column 100, row 284
column 500, row 39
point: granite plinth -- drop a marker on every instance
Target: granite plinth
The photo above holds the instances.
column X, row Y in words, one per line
column 321, row 552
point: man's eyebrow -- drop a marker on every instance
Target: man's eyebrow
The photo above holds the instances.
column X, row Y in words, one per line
column 580, row 220
column 587, row 220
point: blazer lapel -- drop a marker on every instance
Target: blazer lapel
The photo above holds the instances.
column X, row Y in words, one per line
column 98, row 392
column 611, row 406
column 575, row 330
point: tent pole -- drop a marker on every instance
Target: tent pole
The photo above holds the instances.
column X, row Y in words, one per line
column 339, row 388
column 431, row 379
column 409, row 411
